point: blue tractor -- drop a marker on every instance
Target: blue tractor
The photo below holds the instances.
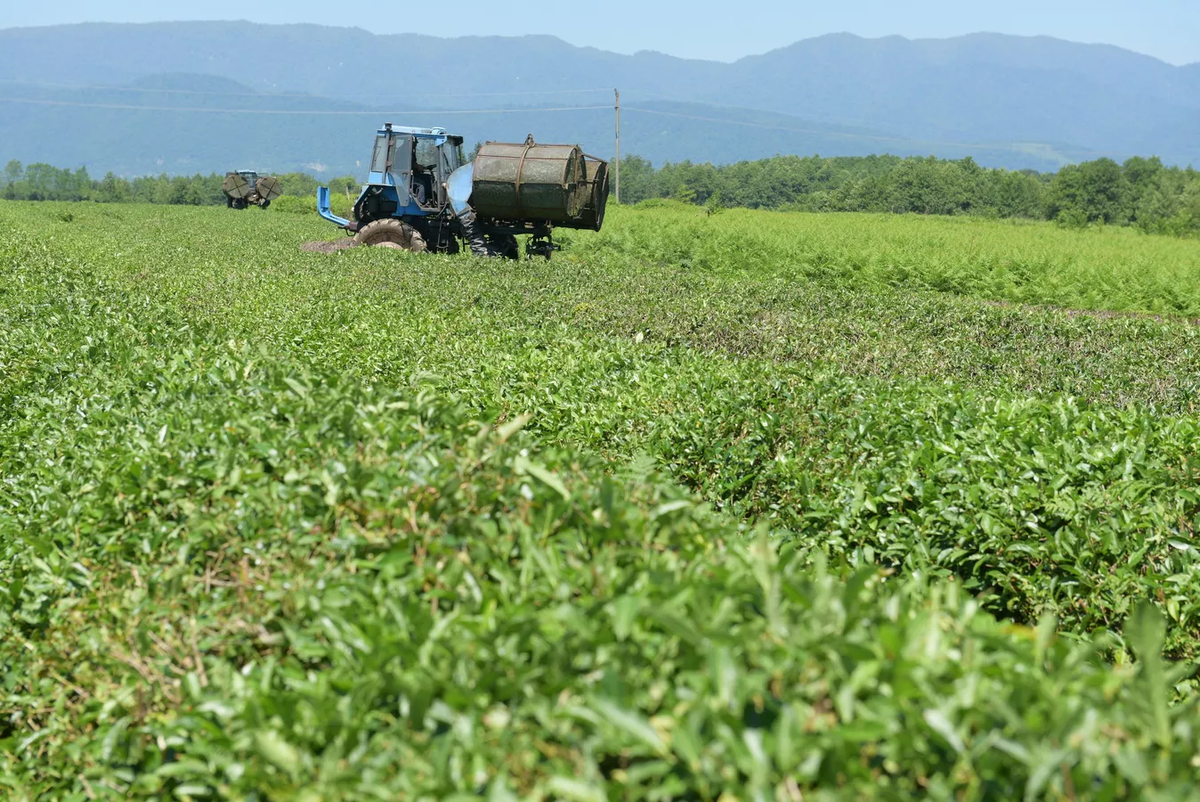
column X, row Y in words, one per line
column 424, row 195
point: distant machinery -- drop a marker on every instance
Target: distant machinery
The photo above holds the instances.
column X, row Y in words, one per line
column 244, row 187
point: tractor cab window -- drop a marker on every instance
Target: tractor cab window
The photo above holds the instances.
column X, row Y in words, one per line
column 384, row 154
column 425, row 165
column 446, row 163
column 451, row 157
column 426, row 154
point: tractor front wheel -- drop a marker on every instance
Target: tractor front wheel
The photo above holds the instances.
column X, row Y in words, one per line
column 391, row 233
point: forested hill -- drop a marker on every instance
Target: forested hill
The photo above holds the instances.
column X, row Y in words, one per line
column 1008, row 101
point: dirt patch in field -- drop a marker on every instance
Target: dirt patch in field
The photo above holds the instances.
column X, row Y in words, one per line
column 324, row 246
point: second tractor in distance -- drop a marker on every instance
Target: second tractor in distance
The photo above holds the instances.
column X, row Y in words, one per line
column 244, row 188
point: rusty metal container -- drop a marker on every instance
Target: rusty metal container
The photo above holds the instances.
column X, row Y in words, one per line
column 268, row 188
column 528, row 181
column 235, row 185
column 596, row 175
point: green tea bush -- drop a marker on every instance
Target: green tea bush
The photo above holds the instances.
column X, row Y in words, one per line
column 1038, row 505
column 291, row 204
column 1010, row 261
column 375, row 525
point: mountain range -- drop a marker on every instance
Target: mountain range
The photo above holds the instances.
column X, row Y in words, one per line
column 200, row 96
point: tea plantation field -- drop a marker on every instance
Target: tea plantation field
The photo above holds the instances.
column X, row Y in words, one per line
column 745, row 507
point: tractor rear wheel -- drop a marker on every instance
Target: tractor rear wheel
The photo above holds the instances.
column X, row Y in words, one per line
column 391, row 233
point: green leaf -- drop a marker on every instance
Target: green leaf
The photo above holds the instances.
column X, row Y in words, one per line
column 940, row 723
column 546, row 477
column 277, row 751
column 1146, row 632
column 507, row 430
column 631, row 724
column 575, row 790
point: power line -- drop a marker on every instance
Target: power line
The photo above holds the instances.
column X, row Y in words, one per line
column 843, row 134
column 748, row 124
column 530, row 110
column 372, row 112
column 295, row 94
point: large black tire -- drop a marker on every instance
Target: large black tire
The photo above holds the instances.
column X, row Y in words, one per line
column 391, row 233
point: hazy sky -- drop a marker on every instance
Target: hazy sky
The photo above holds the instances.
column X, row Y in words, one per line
column 724, row 31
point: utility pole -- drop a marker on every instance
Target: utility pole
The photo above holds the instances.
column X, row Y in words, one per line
column 617, row 160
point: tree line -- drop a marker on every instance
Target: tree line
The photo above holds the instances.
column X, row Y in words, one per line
column 44, row 182
column 1140, row 192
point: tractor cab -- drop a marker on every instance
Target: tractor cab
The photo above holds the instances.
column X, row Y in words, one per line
column 409, row 168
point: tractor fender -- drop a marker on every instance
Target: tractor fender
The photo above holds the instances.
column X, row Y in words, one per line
column 459, row 186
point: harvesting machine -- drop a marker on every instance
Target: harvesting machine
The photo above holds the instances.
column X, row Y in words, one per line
column 245, row 187
column 423, row 195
